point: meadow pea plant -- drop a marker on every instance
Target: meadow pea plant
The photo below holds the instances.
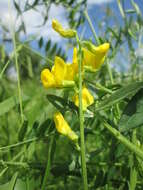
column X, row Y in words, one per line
column 86, row 56
column 81, row 125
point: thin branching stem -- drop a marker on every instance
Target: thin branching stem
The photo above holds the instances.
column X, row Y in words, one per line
column 16, row 63
column 47, row 171
column 81, row 118
column 38, row 54
column 8, row 62
column 4, row 148
column 132, row 147
column 91, row 26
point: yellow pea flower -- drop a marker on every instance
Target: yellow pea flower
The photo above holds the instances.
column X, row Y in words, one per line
column 59, row 70
column 95, row 56
column 66, row 33
column 87, row 98
column 48, row 79
column 61, row 75
column 63, row 127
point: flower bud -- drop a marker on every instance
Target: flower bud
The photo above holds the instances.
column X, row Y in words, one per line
column 63, row 127
column 87, row 98
column 66, row 33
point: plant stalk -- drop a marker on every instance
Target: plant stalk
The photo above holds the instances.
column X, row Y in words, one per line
column 133, row 172
column 16, row 63
column 81, row 119
column 47, row 171
column 92, row 27
column 132, row 147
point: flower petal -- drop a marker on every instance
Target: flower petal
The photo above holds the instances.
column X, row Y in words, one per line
column 66, row 33
column 47, row 79
column 63, row 127
column 87, row 99
column 95, row 56
column 59, row 70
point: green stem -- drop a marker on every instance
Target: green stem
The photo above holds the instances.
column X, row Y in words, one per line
column 92, row 27
column 121, row 9
column 18, row 144
column 110, row 72
column 81, row 118
column 7, row 63
column 132, row 147
column 47, row 171
column 22, row 143
column 38, row 54
column 4, row 68
column 16, row 64
column 117, row 109
column 100, row 87
column 6, row 168
column 11, row 163
column 133, row 172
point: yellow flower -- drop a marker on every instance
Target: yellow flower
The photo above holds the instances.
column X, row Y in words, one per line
column 66, row 33
column 60, row 74
column 59, row 70
column 95, row 56
column 87, row 99
column 48, row 79
column 63, row 127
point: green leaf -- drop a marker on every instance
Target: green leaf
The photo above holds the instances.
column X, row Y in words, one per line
column 23, row 130
column 130, row 11
column 35, row 3
column 100, row 179
column 48, row 45
column 133, row 114
column 40, row 43
column 119, row 95
column 43, row 127
column 13, row 181
column 17, row 7
column 61, row 104
column 53, row 50
column 136, row 7
column 9, row 103
column 60, row 170
column 114, row 33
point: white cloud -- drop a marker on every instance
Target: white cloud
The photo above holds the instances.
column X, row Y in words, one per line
column 139, row 52
column 91, row 3
column 33, row 20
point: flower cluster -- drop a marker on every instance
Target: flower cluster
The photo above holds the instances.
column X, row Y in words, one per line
column 59, row 74
column 66, row 74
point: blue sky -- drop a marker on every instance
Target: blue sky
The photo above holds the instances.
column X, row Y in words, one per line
column 97, row 12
